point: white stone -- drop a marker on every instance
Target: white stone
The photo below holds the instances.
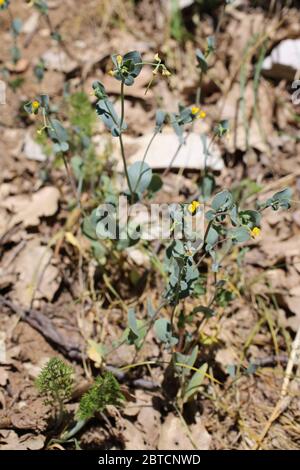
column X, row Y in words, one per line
column 284, row 60
column 161, row 153
column 32, row 150
column 59, row 61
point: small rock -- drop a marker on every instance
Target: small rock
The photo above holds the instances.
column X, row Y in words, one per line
column 162, row 151
column 284, row 60
column 59, row 61
column 32, row 150
column 31, row 24
column 138, row 257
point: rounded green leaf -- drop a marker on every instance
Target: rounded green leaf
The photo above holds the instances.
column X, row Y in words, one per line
column 140, row 176
column 222, row 201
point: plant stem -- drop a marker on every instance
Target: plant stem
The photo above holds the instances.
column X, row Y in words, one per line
column 70, row 178
column 122, row 144
column 78, row 426
column 122, row 106
column 67, row 168
column 174, row 311
column 144, row 158
column 125, row 167
column 172, row 160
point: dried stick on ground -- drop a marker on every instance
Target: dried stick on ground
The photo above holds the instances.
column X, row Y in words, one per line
column 284, row 399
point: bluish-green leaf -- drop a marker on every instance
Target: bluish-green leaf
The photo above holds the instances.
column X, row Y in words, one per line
column 201, row 59
column 212, row 236
column 207, row 186
column 239, row 234
column 196, row 381
column 222, row 201
column 16, row 26
column 156, row 183
column 159, row 119
column 140, row 176
column 208, row 312
column 250, row 218
column 108, row 115
column 162, row 328
column 222, row 128
column 132, row 322
column 189, row 360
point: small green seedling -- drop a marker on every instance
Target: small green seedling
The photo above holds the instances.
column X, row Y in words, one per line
column 55, row 383
column 105, row 391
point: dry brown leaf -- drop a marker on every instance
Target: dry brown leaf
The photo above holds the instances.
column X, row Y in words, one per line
column 3, row 376
column 175, row 436
column 149, row 421
column 19, row 67
column 245, row 126
column 29, row 209
column 226, row 357
column 95, row 352
column 9, row 440
column 134, row 439
column 33, row 417
column 276, row 249
column 276, row 278
column 293, row 304
column 242, row 29
column 37, row 277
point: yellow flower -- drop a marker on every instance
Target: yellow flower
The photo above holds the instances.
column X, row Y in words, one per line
column 119, row 59
column 193, row 206
column 198, row 113
column 2, row 2
column 35, row 104
column 255, row 232
column 166, row 73
column 156, row 57
column 195, row 110
column 111, row 73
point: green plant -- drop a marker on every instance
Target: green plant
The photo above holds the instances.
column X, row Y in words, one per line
column 55, row 383
column 15, row 30
column 105, row 391
column 177, row 27
column 227, row 222
column 56, row 132
column 227, row 225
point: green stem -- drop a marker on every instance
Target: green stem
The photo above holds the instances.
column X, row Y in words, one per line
column 148, row 324
column 144, row 157
column 122, row 106
column 125, row 167
column 67, row 168
column 78, row 426
column 122, row 144
column 172, row 160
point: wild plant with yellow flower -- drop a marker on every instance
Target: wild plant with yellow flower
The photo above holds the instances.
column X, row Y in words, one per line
column 225, row 224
